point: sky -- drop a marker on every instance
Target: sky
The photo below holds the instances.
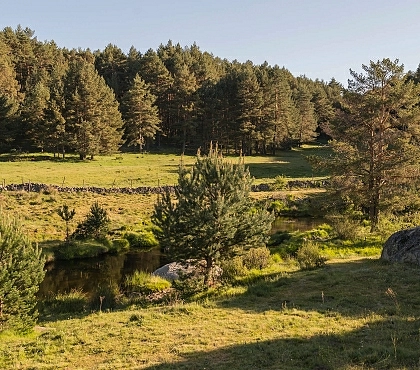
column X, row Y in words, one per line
column 321, row 39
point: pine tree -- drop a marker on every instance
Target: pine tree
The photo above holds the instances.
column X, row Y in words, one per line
column 306, row 125
column 184, row 100
column 376, row 140
column 93, row 120
column 21, row 272
column 95, row 225
column 111, row 64
column 249, row 98
column 211, row 217
column 141, row 114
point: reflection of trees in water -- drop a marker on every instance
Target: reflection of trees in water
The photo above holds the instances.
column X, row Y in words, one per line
column 296, row 224
column 88, row 274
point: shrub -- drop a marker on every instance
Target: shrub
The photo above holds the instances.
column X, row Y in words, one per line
column 277, row 206
column 233, row 268
column 21, row 272
column 257, row 258
column 346, row 226
column 280, row 183
column 145, row 283
column 119, row 245
column 308, row 256
column 95, row 225
column 143, row 239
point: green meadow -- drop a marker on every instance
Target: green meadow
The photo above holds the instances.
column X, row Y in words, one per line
column 38, row 210
column 356, row 312
column 150, row 169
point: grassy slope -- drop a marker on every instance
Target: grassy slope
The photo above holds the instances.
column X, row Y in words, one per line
column 352, row 314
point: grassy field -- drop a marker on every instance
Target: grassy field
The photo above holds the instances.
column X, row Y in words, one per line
column 38, row 210
column 352, row 314
column 133, row 170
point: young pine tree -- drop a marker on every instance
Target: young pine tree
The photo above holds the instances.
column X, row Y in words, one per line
column 95, row 225
column 211, row 217
column 21, row 272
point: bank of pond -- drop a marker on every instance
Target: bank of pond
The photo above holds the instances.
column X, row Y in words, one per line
column 89, row 274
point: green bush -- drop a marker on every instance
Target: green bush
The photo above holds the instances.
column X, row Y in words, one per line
column 309, row 257
column 346, row 226
column 145, row 283
column 142, row 239
column 257, row 258
column 233, row 268
column 119, row 245
column 277, row 206
column 280, row 183
column 21, row 272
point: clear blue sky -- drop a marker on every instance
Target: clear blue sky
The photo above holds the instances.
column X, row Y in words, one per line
column 317, row 38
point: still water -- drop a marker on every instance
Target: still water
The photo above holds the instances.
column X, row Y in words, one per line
column 88, row 274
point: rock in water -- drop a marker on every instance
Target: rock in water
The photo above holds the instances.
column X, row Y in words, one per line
column 403, row 246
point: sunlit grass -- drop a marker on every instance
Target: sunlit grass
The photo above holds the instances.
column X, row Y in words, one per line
column 134, row 170
column 351, row 314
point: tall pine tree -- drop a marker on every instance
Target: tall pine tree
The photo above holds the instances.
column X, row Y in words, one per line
column 140, row 114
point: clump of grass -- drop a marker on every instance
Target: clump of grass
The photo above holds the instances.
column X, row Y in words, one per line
column 75, row 301
column 81, row 249
column 143, row 239
column 119, row 245
column 106, row 297
column 144, row 283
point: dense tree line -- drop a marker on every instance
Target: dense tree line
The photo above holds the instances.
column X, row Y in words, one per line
column 59, row 100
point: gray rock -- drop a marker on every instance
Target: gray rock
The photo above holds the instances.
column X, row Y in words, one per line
column 171, row 271
column 403, row 246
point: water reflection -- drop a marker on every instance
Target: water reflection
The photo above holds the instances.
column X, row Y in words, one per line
column 296, row 224
column 88, row 274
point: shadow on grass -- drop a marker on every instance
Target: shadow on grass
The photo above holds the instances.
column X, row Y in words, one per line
column 382, row 345
column 348, row 288
column 378, row 298
column 39, row 158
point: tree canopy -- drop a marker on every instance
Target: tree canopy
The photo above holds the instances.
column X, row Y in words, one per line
column 60, row 100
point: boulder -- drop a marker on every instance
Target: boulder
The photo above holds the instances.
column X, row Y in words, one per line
column 171, row 271
column 403, row 246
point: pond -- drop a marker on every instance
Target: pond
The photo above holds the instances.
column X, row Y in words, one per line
column 88, row 274
column 296, row 224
